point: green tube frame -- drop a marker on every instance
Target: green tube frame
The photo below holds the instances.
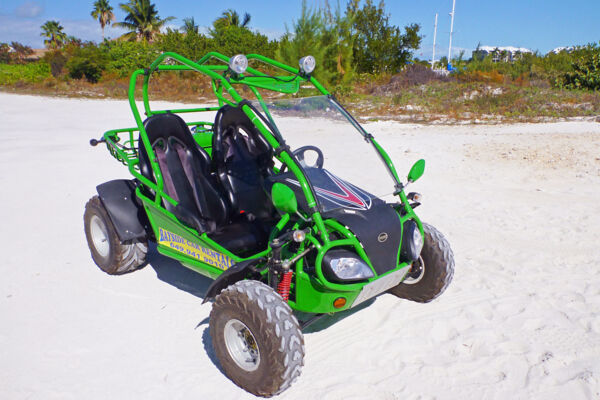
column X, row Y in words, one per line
column 222, row 81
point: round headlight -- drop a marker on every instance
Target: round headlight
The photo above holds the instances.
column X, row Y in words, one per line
column 238, row 63
column 307, row 64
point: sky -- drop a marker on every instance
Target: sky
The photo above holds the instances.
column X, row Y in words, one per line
column 535, row 24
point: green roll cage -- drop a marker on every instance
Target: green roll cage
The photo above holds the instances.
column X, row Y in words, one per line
column 317, row 293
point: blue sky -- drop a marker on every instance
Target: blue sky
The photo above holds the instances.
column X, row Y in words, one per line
column 535, row 24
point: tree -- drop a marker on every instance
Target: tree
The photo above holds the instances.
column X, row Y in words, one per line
column 586, row 69
column 378, row 46
column 192, row 44
column 103, row 12
column 189, row 26
column 237, row 39
column 21, row 52
column 338, row 41
column 142, row 20
column 230, row 17
column 306, row 38
column 53, row 32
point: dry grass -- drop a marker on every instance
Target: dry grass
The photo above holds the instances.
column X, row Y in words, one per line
column 417, row 95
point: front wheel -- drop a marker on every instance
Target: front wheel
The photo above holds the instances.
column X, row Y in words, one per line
column 112, row 256
column 431, row 274
column 256, row 338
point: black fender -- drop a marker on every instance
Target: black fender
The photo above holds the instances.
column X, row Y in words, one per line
column 124, row 209
column 231, row 275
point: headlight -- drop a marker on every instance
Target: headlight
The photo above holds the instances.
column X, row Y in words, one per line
column 238, row 63
column 412, row 242
column 307, row 64
column 341, row 265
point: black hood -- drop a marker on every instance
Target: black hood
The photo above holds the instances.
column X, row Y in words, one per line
column 375, row 223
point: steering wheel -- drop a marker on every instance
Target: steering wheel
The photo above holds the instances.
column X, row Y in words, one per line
column 299, row 153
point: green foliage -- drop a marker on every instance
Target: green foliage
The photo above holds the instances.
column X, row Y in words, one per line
column 53, row 32
column 338, row 42
column 17, row 55
column 238, row 39
column 4, row 53
column 142, row 20
column 310, row 36
column 586, row 70
column 189, row 26
column 577, row 68
column 125, row 57
column 28, row 73
column 378, row 46
column 87, row 61
column 356, row 40
column 56, row 60
column 229, row 18
column 103, row 12
column 192, row 45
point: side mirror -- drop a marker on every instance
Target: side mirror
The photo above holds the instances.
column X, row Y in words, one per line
column 416, row 171
column 284, row 198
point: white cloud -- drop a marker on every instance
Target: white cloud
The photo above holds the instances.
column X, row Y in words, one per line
column 29, row 9
column 27, row 31
column 23, row 31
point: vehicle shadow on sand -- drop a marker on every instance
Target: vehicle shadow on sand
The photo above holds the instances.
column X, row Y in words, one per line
column 175, row 274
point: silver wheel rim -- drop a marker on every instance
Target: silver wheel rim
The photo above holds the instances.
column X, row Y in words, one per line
column 241, row 345
column 409, row 280
column 99, row 236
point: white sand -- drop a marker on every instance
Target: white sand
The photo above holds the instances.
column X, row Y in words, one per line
column 520, row 205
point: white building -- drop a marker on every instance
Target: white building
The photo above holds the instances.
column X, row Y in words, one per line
column 501, row 53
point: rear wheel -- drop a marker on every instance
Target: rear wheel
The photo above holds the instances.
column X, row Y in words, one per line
column 112, row 256
column 431, row 274
column 256, row 338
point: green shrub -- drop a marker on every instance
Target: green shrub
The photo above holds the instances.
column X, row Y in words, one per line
column 88, row 61
column 192, row 45
column 57, row 60
column 125, row 57
column 586, row 70
column 29, row 73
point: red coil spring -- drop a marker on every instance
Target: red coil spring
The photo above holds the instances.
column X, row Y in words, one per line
column 283, row 288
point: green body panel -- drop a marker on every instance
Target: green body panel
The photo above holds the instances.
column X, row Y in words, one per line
column 284, row 198
column 204, row 140
column 312, row 296
column 311, row 293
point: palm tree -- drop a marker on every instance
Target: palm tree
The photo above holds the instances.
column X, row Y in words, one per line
column 103, row 12
column 142, row 20
column 53, row 32
column 189, row 25
column 230, row 17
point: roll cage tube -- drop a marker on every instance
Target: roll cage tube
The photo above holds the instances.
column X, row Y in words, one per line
column 222, row 82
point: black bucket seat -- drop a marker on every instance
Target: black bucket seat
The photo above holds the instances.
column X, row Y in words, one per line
column 187, row 177
column 242, row 159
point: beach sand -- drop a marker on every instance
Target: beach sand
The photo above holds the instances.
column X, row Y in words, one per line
column 520, row 205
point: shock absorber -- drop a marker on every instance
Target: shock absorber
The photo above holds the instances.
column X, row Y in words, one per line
column 283, row 288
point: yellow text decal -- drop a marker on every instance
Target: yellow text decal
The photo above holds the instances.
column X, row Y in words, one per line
column 191, row 249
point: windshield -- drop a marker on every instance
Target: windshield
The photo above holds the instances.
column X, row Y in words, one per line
column 352, row 173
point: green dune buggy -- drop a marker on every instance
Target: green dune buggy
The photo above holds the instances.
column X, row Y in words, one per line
column 283, row 237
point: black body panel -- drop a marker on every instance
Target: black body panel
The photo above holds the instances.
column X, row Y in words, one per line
column 126, row 212
column 332, row 192
column 371, row 226
column 231, row 275
column 368, row 217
